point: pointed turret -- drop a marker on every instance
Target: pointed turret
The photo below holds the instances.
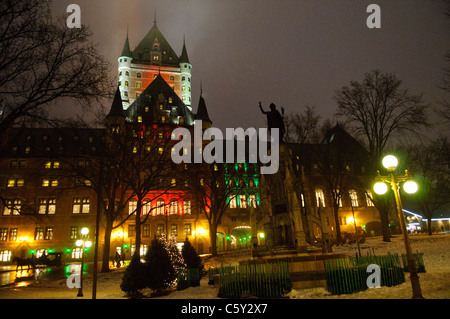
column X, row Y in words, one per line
column 115, row 119
column 126, row 52
column 116, row 107
column 202, row 113
column 184, row 56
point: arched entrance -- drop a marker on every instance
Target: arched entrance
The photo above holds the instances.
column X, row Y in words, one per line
column 240, row 237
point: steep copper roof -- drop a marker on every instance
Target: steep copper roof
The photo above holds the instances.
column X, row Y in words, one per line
column 158, row 92
column 155, row 41
column 202, row 111
column 116, row 107
column 126, row 48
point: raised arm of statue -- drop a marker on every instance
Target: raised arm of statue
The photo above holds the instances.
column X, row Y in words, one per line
column 262, row 111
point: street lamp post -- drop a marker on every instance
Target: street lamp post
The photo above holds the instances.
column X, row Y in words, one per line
column 84, row 244
column 390, row 162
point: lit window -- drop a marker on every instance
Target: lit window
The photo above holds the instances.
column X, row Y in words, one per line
column 138, row 85
column 77, row 253
column 320, row 197
column 187, row 206
column 354, row 198
column 13, row 234
column 174, row 229
column 252, row 200
column 242, row 201
column 81, row 205
column 160, row 150
column 146, row 207
column 47, row 182
column 3, row 234
column 187, row 229
column 233, row 202
column 139, row 119
column 39, row 233
column 48, row 235
column 5, row 255
column 369, row 197
column 159, row 229
column 47, row 206
column 132, row 206
column 145, row 230
column 173, row 207
column 160, row 207
column 13, row 206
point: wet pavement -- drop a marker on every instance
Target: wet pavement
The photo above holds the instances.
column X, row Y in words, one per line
column 9, row 275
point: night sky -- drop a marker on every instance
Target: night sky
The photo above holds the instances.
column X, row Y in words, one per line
column 289, row 52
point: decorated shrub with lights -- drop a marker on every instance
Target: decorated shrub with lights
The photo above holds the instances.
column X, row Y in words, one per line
column 160, row 273
column 133, row 279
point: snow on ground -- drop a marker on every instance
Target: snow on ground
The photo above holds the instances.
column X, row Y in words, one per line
column 435, row 283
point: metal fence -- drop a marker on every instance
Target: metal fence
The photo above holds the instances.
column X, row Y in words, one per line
column 268, row 280
column 189, row 277
column 346, row 276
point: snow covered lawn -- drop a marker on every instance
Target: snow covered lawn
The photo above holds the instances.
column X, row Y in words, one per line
column 435, row 282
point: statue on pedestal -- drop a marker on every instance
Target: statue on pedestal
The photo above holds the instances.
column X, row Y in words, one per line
column 275, row 119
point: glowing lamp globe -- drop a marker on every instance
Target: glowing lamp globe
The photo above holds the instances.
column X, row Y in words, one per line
column 390, row 162
column 84, row 231
column 78, row 243
column 87, row 244
column 410, row 187
column 380, row 188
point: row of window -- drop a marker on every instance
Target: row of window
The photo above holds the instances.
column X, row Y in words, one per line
column 160, row 229
column 47, row 233
column 159, row 207
column 45, row 182
column 139, row 76
column 47, row 206
column 240, row 201
column 320, row 198
column 40, row 233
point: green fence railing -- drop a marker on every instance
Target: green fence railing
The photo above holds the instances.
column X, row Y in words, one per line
column 346, row 276
column 420, row 265
column 189, row 277
column 268, row 280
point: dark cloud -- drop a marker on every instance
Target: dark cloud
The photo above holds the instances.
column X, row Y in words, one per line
column 290, row 52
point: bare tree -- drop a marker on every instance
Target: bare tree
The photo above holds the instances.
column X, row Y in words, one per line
column 43, row 61
column 431, row 167
column 302, row 127
column 379, row 110
column 212, row 187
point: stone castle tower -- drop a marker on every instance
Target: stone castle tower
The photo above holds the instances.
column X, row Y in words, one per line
column 153, row 56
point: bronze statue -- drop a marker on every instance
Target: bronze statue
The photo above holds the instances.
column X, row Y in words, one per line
column 274, row 119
